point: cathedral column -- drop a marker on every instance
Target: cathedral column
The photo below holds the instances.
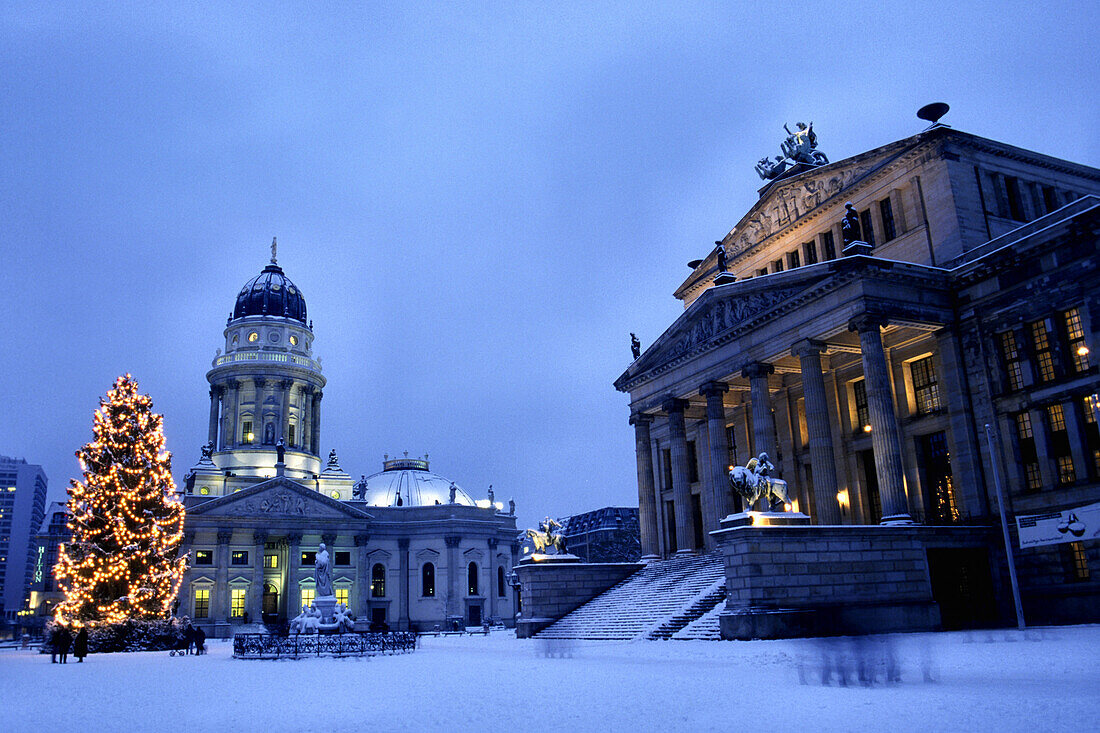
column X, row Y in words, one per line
column 884, row 425
column 293, row 562
column 315, row 424
column 514, row 591
column 256, row 612
column 403, row 565
column 452, row 574
column 491, row 591
column 215, row 400
column 647, row 501
column 284, row 415
column 221, row 577
column 819, row 433
column 229, row 413
column 717, row 497
column 681, row 489
column 362, row 577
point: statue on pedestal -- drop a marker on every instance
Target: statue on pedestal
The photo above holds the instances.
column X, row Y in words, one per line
column 280, row 451
column 323, row 572
column 454, row 493
column 207, row 451
column 754, row 481
column 548, row 537
column 635, row 346
column 723, row 265
column 849, row 226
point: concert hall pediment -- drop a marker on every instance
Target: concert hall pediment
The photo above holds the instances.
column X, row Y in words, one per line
column 278, row 497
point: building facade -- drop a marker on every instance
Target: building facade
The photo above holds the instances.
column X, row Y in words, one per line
column 409, row 548
column 869, row 375
column 609, row 534
column 22, row 506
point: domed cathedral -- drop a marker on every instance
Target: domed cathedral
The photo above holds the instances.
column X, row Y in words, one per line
column 409, row 548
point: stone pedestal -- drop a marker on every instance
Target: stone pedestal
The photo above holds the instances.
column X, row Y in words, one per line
column 856, row 248
column 724, row 278
column 765, row 519
column 552, row 588
column 326, row 605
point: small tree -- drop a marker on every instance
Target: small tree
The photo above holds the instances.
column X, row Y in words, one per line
column 126, row 522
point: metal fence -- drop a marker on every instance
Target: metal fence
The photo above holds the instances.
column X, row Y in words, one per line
column 365, row 644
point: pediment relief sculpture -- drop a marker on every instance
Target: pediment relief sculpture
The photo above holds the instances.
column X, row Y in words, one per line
column 724, row 315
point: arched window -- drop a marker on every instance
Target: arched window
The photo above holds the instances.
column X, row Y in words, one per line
column 427, row 580
column 378, row 581
column 471, row 576
column 500, row 581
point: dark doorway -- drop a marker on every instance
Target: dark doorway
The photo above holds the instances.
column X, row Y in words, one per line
column 697, row 520
column 940, row 505
column 378, row 616
column 670, row 527
column 475, row 616
column 873, row 509
column 270, row 608
column 962, row 586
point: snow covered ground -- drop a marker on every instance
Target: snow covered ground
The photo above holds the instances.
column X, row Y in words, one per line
column 1046, row 679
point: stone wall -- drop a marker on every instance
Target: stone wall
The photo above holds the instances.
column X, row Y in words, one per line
column 550, row 590
column 795, row 581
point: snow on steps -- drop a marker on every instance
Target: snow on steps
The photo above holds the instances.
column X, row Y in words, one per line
column 700, row 605
column 647, row 601
column 704, row 628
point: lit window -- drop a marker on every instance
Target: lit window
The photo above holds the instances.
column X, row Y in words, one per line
column 309, row 557
column 253, row 337
column 1012, row 361
column 204, row 490
column 239, row 557
column 378, row 581
column 237, row 596
column 271, row 561
column 202, row 603
column 293, row 340
column 307, row 596
column 1033, row 479
column 247, row 436
column 863, row 412
column 1059, row 441
column 1076, row 560
column 1075, row 339
column 927, row 392
column 1041, row 341
column 342, row 595
column 1092, row 434
column 204, row 557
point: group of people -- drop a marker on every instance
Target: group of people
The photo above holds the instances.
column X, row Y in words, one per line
column 62, row 640
column 193, row 638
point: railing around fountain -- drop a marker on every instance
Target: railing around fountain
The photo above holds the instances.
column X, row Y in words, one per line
column 355, row 644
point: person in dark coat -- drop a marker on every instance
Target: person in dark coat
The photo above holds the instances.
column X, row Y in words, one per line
column 200, row 640
column 55, row 643
column 189, row 636
column 63, row 646
column 80, row 644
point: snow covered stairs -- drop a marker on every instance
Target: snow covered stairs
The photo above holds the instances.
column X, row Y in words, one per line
column 655, row 602
column 704, row 628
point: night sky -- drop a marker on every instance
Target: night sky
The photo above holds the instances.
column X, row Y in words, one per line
column 479, row 203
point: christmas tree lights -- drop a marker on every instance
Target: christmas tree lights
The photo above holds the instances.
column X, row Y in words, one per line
column 126, row 522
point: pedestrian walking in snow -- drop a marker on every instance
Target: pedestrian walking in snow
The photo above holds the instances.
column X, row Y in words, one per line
column 55, row 643
column 80, row 644
column 200, row 641
column 64, row 644
column 189, row 636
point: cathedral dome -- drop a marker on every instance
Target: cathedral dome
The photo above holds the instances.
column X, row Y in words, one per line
column 271, row 293
column 408, row 482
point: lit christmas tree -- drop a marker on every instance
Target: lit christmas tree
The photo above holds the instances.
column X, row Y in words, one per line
column 126, row 522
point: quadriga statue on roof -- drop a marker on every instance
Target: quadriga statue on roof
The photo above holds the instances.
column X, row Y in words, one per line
column 548, row 537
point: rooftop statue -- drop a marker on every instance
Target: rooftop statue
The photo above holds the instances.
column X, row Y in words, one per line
column 280, row 451
column 723, row 264
column 332, row 459
column 548, row 537
column 849, row 226
column 207, row 451
column 359, row 491
column 454, row 492
column 635, row 346
column 492, row 497
column 800, row 147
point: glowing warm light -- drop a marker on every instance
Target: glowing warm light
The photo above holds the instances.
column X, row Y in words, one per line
column 793, row 506
column 126, row 522
column 842, row 497
column 249, row 437
column 866, row 428
column 1082, row 350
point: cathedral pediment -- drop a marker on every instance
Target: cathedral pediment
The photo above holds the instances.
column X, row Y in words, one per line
column 278, row 497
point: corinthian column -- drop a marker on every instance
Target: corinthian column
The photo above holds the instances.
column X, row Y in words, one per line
column 884, row 426
column 717, row 498
column 681, row 488
column 215, row 399
column 647, row 502
column 284, row 418
column 820, row 434
column 315, row 424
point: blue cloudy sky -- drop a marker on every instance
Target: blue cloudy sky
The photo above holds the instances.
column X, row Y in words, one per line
column 478, row 200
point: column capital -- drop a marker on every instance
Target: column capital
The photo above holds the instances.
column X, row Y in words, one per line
column 807, row 347
column 318, row 395
column 516, row 546
column 756, row 369
column 639, row 418
column 259, row 537
column 286, row 383
column 294, row 538
column 493, row 542
column 329, row 539
column 260, row 382
column 361, row 540
column 672, row 405
column 307, row 389
column 709, row 389
column 868, row 322
column 452, row 540
column 403, row 543
column 217, row 390
column 224, row 535
column 233, row 384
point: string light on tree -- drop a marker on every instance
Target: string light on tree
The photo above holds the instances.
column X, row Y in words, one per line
column 126, row 522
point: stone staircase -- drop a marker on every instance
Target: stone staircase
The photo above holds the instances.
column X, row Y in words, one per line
column 704, row 628
column 654, row 603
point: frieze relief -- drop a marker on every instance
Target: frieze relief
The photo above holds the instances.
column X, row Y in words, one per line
column 726, row 314
column 280, row 501
column 790, row 204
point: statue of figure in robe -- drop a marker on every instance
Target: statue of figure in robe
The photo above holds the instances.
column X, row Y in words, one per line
column 324, row 573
